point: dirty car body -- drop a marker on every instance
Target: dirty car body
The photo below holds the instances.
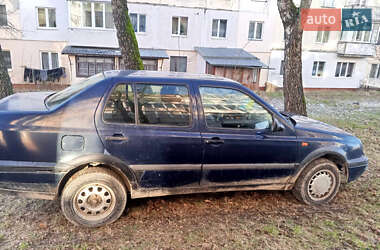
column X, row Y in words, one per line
column 162, row 134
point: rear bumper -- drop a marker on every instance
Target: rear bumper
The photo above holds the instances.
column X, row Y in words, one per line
column 356, row 168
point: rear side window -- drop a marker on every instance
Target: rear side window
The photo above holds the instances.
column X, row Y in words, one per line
column 120, row 106
column 229, row 108
column 163, row 104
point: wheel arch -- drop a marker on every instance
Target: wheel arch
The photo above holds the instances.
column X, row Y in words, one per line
column 98, row 160
column 336, row 155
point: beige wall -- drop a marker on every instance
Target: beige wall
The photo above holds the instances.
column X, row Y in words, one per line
column 28, row 54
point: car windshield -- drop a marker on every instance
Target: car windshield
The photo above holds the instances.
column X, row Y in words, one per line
column 61, row 96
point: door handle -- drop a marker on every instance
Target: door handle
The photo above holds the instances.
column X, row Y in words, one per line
column 117, row 137
column 214, row 140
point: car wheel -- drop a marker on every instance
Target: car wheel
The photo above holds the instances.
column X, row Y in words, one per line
column 319, row 183
column 93, row 197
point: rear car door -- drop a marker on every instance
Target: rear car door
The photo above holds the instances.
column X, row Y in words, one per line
column 151, row 127
column 240, row 147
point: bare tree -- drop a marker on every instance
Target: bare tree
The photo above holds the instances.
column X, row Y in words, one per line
column 294, row 98
column 130, row 55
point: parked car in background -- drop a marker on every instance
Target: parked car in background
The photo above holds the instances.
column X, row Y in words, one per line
column 133, row 134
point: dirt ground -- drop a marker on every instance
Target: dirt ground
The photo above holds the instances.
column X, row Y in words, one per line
column 255, row 220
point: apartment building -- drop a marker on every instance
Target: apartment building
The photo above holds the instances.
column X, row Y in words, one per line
column 335, row 59
column 238, row 39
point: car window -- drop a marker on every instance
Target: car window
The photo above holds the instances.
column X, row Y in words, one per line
column 229, row 108
column 61, row 96
column 120, row 106
column 163, row 104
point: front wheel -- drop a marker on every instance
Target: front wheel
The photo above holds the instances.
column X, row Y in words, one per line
column 318, row 184
column 93, row 197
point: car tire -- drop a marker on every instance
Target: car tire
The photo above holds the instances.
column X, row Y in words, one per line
column 93, row 197
column 318, row 183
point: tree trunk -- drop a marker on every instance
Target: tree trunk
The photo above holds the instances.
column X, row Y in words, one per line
column 6, row 87
column 294, row 98
column 130, row 55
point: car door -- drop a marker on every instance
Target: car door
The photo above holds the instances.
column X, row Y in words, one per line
column 240, row 147
column 151, row 127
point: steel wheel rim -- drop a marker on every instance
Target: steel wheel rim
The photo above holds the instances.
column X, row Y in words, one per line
column 321, row 185
column 94, row 201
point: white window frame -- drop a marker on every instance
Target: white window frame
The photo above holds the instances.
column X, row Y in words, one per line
column 218, row 31
column 46, row 18
column 377, row 71
column 356, row 3
column 346, row 70
column 327, row 3
column 362, row 36
column 138, row 22
column 322, row 36
column 255, row 31
column 316, row 70
column 92, row 16
column 179, row 25
column 49, row 58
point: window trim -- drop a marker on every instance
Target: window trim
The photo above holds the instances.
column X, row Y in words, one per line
column 346, row 70
column 316, row 72
column 137, row 120
column 85, row 76
column 46, row 9
column 377, row 71
column 202, row 114
column 6, row 15
column 138, row 22
column 179, row 26
column 10, row 56
column 322, row 37
column 255, row 30
column 218, row 30
column 178, row 57
column 93, row 27
column 50, row 58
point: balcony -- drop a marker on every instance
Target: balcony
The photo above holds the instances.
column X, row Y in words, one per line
column 355, row 49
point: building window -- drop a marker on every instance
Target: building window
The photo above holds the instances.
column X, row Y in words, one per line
column 318, row 68
column 138, row 22
column 356, row 3
column 219, row 28
column 322, row 36
column 88, row 66
column 3, row 16
column 91, row 15
column 327, row 3
column 49, row 60
column 7, row 58
column 46, row 18
column 282, row 67
column 179, row 25
column 357, row 36
column 344, row 69
column 375, row 71
column 150, row 64
column 178, row 63
column 255, row 31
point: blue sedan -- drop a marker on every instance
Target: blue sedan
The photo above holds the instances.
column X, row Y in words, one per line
column 140, row 134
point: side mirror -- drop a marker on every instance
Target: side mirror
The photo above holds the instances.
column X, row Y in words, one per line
column 277, row 126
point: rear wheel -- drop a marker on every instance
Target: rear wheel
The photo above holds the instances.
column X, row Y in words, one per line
column 319, row 183
column 93, row 197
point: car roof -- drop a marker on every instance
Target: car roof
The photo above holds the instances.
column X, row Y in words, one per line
column 162, row 75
